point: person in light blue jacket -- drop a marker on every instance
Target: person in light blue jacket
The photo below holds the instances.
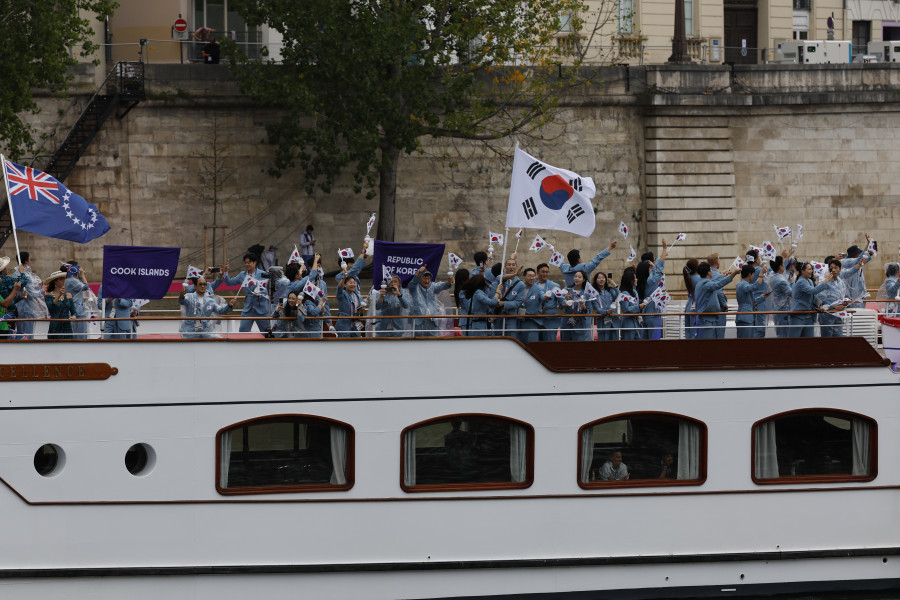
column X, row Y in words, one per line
column 203, row 306
column 76, row 285
column 459, row 297
column 349, row 300
column 511, row 291
column 529, row 326
column 313, row 307
column 122, row 308
column 706, row 300
column 781, row 297
column 891, row 287
column 256, row 305
column 629, row 306
column 856, row 284
column 550, row 323
column 608, row 292
column 483, row 304
column 804, row 293
column 575, row 265
column 746, row 298
column 422, row 294
column 647, row 283
column 581, row 300
column 830, row 298
column 392, row 302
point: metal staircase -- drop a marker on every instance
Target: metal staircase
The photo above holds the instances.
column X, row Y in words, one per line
column 123, row 86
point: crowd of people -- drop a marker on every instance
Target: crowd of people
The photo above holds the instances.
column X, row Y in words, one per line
column 500, row 299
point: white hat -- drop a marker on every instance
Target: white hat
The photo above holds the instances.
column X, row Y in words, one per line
column 55, row 275
column 4, row 262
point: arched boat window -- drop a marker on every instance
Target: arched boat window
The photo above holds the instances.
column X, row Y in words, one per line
column 467, row 452
column 814, row 446
column 642, row 449
column 284, row 453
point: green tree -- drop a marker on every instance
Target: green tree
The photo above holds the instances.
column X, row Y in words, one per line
column 37, row 42
column 361, row 82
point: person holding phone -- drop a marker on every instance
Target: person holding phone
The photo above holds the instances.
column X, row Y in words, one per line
column 392, row 302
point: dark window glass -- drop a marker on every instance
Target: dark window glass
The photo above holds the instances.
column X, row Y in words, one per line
column 468, row 450
column 136, row 459
column 816, row 444
column 644, row 448
column 46, row 459
column 278, row 454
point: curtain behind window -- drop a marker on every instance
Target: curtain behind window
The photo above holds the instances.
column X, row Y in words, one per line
column 409, row 458
column 517, row 453
column 859, row 429
column 766, row 458
column 688, row 450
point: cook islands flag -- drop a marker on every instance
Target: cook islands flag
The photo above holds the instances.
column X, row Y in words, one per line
column 545, row 197
column 42, row 205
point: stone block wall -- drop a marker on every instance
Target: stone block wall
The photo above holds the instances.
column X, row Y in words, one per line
column 724, row 168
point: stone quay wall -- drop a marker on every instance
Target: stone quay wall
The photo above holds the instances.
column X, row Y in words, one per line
column 720, row 154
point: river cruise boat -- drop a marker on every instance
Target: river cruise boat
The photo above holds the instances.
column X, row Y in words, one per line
column 457, row 468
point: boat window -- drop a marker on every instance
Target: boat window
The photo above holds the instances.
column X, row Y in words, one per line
column 814, row 446
column 642, row 449
column 140, row 459
column 49, row 460
column 467, row 452
column 285, row 453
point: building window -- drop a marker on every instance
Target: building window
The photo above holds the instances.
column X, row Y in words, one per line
column 688, row 17
column 801, row 25
column 812, row 446
column 221, row 16
column 802, row 5
column 467, row 452
column 625, row 19
column 642, row 449
column 285, row 453
column 565, row 22
column 862, row 35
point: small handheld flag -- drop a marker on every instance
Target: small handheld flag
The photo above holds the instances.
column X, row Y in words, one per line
column 557, row 259
column 623, row 229
column 346, row 253
column 496, row 238
column 370, row 223
column 454, row 260
column 537, row 244
column 758, row 249
column 633, row 254
column 843, row 314
column 872, row 248
column 819, row 269
column 680, row 237
column 799, row 232
column 311, row 289
column 560, row 292
column 262, row 287
column 783, row 232
column 193, row 272
column 295, row 257
column 738, row 263
column 768, row 252
column 137, row 303
column 519, row 233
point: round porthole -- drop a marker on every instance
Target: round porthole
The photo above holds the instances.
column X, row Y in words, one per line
column 49, row 460
column 140, row 459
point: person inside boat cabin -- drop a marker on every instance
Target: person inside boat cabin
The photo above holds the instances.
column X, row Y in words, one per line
column 614, row 469
column 667, row 467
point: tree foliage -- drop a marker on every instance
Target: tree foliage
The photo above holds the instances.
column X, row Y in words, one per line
column 37, row 42
column 362, row 82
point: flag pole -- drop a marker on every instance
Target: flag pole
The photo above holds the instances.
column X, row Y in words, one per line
column 12, row 217
column 503, row 265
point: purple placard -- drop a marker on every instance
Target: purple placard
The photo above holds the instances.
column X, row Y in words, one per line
column 138, row 271
column 404, row 259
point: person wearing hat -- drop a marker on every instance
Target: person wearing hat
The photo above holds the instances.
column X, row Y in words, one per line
column 60, row 305
column 423, row 302
column 308, row 245
column 6, row 280
column 268, row 258
column 76, row 286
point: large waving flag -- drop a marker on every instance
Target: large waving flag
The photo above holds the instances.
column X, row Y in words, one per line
column 42, row 205
column 545, row 197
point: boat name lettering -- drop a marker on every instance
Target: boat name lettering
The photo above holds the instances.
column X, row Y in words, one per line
column 56, row 372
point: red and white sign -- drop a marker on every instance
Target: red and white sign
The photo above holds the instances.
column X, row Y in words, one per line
column 180, row 25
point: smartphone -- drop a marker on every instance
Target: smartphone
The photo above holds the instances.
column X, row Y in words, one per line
column 214, row 270
column 392, row 289
column 609, row 275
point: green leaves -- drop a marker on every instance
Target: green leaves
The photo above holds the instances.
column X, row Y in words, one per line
column 362, row 80
column 39, row 41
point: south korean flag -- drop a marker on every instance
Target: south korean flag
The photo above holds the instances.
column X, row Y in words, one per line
column 545, row 197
